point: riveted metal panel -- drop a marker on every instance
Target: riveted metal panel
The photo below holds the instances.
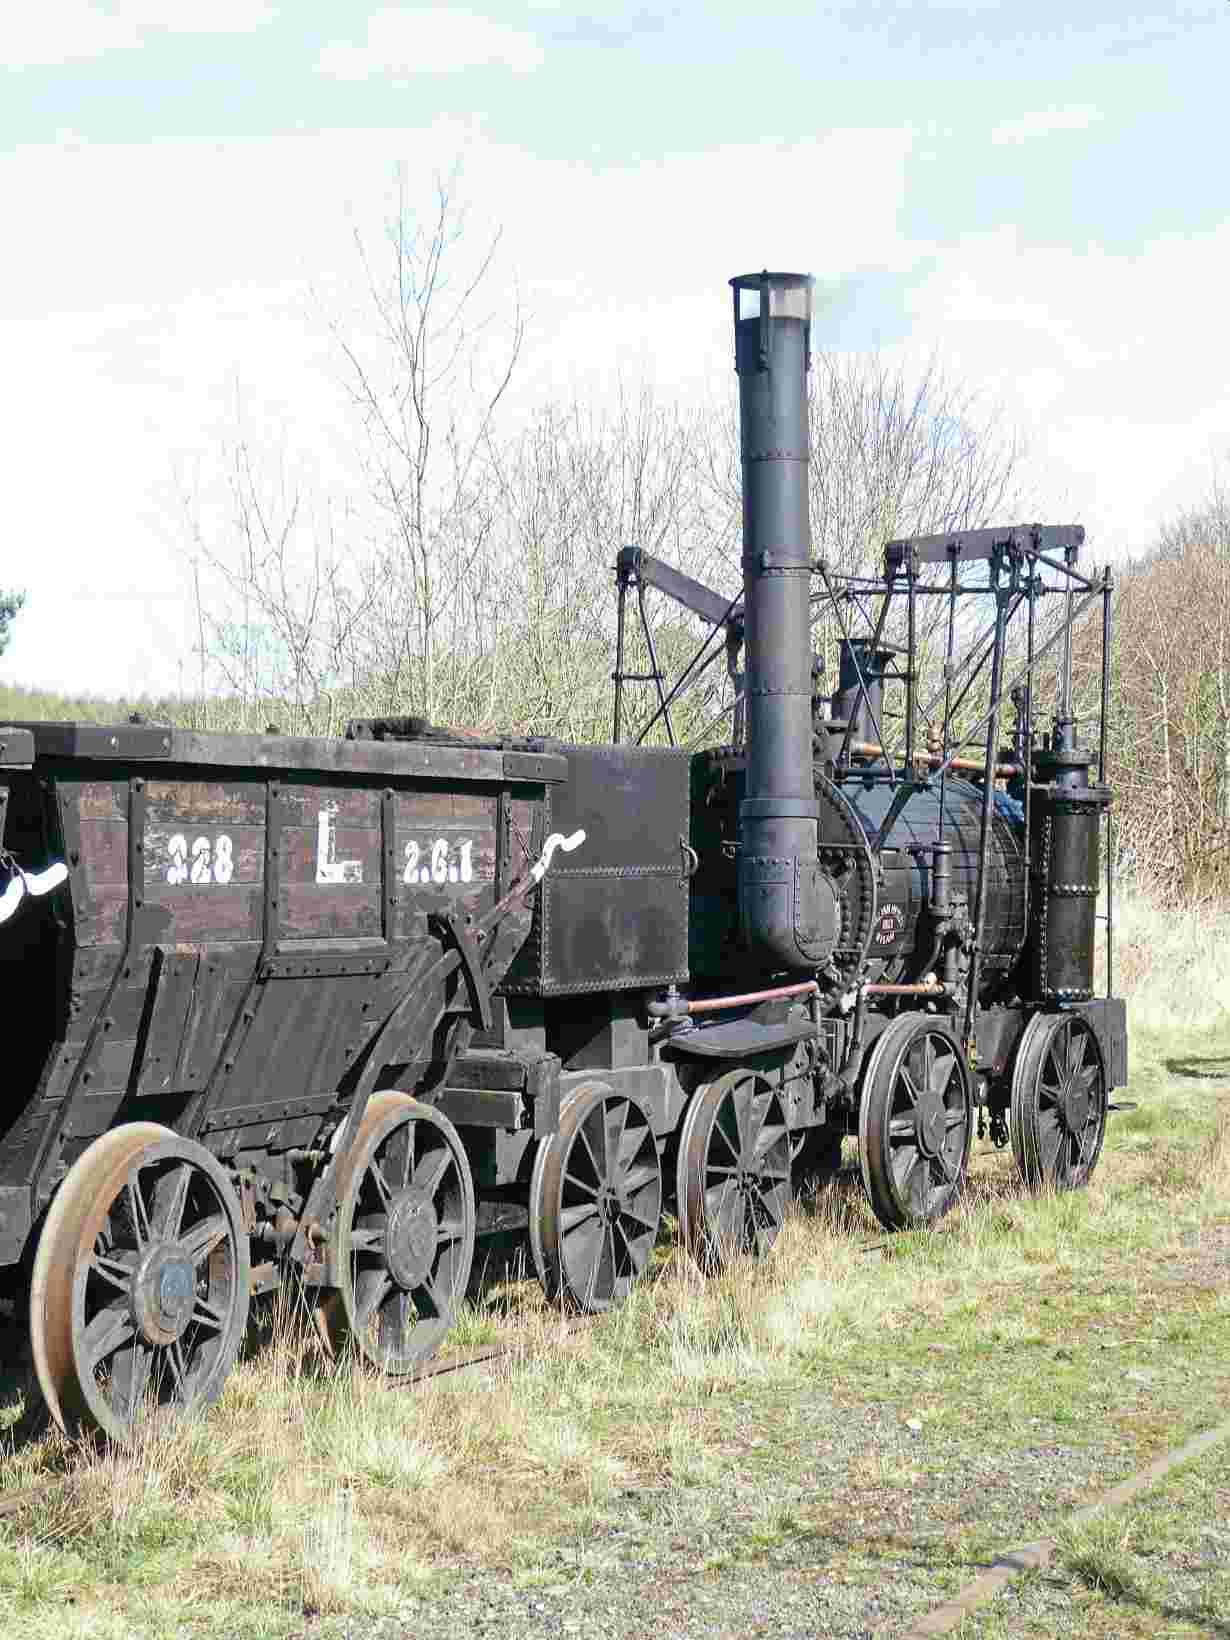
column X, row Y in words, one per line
column 613, row 914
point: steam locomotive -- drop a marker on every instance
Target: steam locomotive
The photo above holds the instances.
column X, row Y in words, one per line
column 328, row 1011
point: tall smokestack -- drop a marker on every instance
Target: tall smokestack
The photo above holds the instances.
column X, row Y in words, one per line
column 784, row 908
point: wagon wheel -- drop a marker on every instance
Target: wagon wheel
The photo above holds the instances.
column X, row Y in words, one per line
column 1057, row 1116
column 915, row 1122
column 140, row 1287
column 596, row 1199
column 733, row 1173
column 402, row 1240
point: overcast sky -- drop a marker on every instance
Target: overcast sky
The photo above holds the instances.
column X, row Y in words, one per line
column 1036, row 190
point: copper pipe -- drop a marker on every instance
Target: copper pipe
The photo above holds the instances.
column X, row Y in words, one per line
column 905, row 990
column 711, row 1004
column 1003, row 771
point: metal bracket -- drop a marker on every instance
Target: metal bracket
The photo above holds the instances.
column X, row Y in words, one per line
column 451, row 926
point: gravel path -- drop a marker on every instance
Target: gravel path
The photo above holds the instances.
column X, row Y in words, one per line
column 847, row 1523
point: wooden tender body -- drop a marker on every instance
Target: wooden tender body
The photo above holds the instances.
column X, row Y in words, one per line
column 256, row 934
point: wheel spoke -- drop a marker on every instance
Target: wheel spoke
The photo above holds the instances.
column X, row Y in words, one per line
column 571, row 1217
column 179, row 1368
column 615, row 1124
column 431, row 1171
column 1058, row 1063
column 138, row 1217
column 170, row 1198
column 581, row 1248
column 572, row 1183
column 770, row 1137
column 205, row 1314
column 202, row 1239
column 106, row 1332
column 603, row 1279
column 595, row 1144
column 945, row 1068
column 905, row 1084
column 374, row 1176
column 737, row 1111
column 396, row 1163
column 1076, row 1051
column 440, row 1297
column 130, row 1378
column 918, row 1185
column 115, row 1269
column 376, row 1287
column 367, row 1234
column 1050, row 1142
column 723, row 1206
column 637, row 1177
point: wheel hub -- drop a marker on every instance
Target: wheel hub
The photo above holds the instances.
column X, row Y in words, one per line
column 410, row 1238
column 163, row 1294
column 930, row 1123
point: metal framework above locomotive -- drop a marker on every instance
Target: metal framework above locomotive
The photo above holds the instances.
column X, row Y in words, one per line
column 330, row 1010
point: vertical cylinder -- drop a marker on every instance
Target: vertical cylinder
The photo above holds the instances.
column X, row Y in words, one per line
column 1065, row 822
column 783, row 911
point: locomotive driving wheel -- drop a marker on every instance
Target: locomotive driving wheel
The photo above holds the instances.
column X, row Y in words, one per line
column 734, row 1168
column 402, row 1240
column 596, row 1199
column 140, row 1286
column 915, row 1122
column 1057, row 1116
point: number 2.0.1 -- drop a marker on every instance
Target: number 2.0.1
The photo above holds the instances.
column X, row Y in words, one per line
column 434, row 865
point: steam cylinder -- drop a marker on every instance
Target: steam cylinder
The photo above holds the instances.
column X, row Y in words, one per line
column 1065, row 821
column 788, row 912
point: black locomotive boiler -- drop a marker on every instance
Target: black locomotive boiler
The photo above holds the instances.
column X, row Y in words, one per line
column 328, row 1011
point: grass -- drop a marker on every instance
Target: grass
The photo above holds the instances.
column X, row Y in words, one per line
column 868, row 1418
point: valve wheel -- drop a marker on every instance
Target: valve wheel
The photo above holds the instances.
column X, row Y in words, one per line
column 141, row 1282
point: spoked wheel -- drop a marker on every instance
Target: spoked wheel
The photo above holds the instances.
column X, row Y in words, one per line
column 1057, row 1117
column 733, row 1179
column 140, row 1287
column 915, row 1122
column 596, row 1199
column 403, row 1236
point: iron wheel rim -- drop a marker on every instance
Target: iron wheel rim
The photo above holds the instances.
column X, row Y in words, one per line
column 403, row 1237
column 596, row 1199
column 1059, row 1103
column 915, row 1123
column 734, row 1170
column 141, row 1284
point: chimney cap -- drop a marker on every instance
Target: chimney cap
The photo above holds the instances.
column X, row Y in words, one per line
column 773, row 295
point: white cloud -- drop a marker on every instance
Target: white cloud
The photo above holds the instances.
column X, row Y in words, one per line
column 433, row 40
column 61, row 31
column 1108, row 362
column 1044, row 123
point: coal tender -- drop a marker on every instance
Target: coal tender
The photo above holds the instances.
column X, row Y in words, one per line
column 323, row 1014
